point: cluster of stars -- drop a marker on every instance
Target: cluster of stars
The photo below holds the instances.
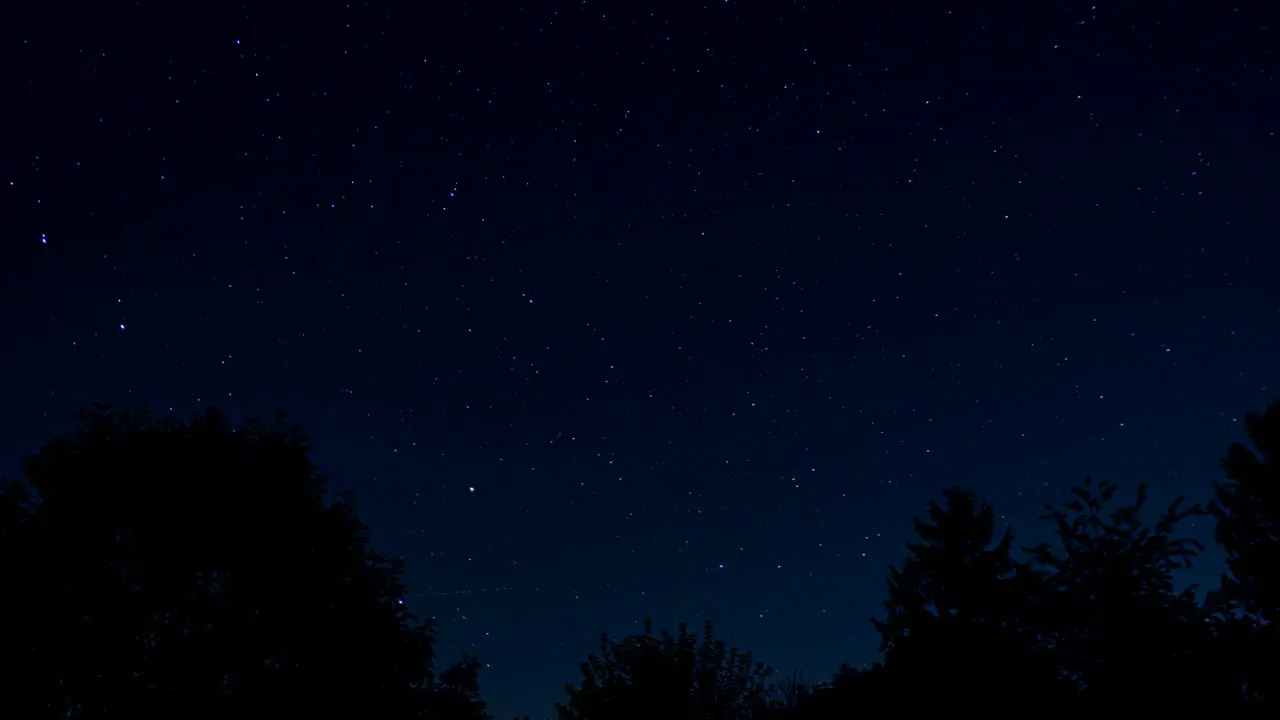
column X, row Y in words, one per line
column 612, row 314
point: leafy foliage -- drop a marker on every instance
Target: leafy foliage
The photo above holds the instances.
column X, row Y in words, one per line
column 192, row 569
column 671, row 676
column 1121, row 631
column 171, row 569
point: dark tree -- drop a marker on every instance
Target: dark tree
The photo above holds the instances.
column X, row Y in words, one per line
column 673, row 676
column 1246, row 509
column 786, row 697
column 159, row 568
column 456, row 693
column 1124, row 635
column 963, row 619
column 849, row 693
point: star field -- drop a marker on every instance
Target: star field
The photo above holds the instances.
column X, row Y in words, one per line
column 681, row 310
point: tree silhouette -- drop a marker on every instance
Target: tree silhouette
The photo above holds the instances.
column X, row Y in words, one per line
column 457, row 692
column 673, row 676
column 1246, row 508
column 962, row 617
column 1122, row 632
column 160, row 568
column 849, row 693
column 1091, row 622
column 786, row 697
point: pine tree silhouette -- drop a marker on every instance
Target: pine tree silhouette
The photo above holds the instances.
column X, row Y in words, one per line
column 961, row 618
column 1246, row 508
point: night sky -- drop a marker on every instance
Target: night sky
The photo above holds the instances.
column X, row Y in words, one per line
column 608, row 310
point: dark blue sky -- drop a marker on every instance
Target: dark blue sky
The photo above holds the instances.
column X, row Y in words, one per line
column 612, row 310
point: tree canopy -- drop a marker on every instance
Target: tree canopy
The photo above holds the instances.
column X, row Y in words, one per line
column 170, row 568
column 164, row 568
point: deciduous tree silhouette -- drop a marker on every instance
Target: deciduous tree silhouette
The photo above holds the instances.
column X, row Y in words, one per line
column 1123, row 633
column 673, row 676
column 159, row 568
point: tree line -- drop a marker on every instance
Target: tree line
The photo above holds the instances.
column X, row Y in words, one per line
column 174, row 568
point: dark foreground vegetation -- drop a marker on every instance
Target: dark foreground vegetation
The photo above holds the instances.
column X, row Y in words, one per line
column 138, row 583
